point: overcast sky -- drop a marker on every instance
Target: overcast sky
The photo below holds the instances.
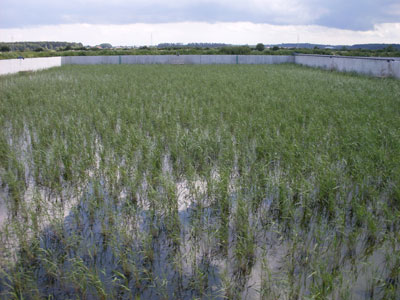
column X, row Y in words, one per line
column 139, row 22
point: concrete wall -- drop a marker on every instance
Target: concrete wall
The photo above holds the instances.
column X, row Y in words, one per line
column 178, row 60
column 379, row 67
column 265, row 59
column 161, row 59
column 395, row 68
column 9, row 66
column 90, row 60
column 373, row 66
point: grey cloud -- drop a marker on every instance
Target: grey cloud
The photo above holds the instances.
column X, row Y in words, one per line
column 356, row 15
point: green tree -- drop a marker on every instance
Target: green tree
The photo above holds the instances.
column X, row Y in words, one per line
column 389, row 48
column 235, row 50
column 5, row 48
column 106, row 46
column 260, row 47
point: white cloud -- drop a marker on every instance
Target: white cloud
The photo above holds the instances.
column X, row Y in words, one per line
column 187, row 32
column 345, row 14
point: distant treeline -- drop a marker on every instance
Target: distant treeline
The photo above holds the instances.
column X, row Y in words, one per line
column 192, row 45
column 393, row 47
column 45, row 49
column 38, row 46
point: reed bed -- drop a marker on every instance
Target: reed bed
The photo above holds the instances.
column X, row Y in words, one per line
column 199, row 182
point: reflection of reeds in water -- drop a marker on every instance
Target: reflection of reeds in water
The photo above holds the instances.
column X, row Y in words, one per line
column 160, row 182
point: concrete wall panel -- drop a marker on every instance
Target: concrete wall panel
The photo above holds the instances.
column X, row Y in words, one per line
column 395, row 68
column 10, row 66
column 378, row 67
column 324, row 62
column 218, row 59
column 89, row 60
column 161, row 59
column 265, row 59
